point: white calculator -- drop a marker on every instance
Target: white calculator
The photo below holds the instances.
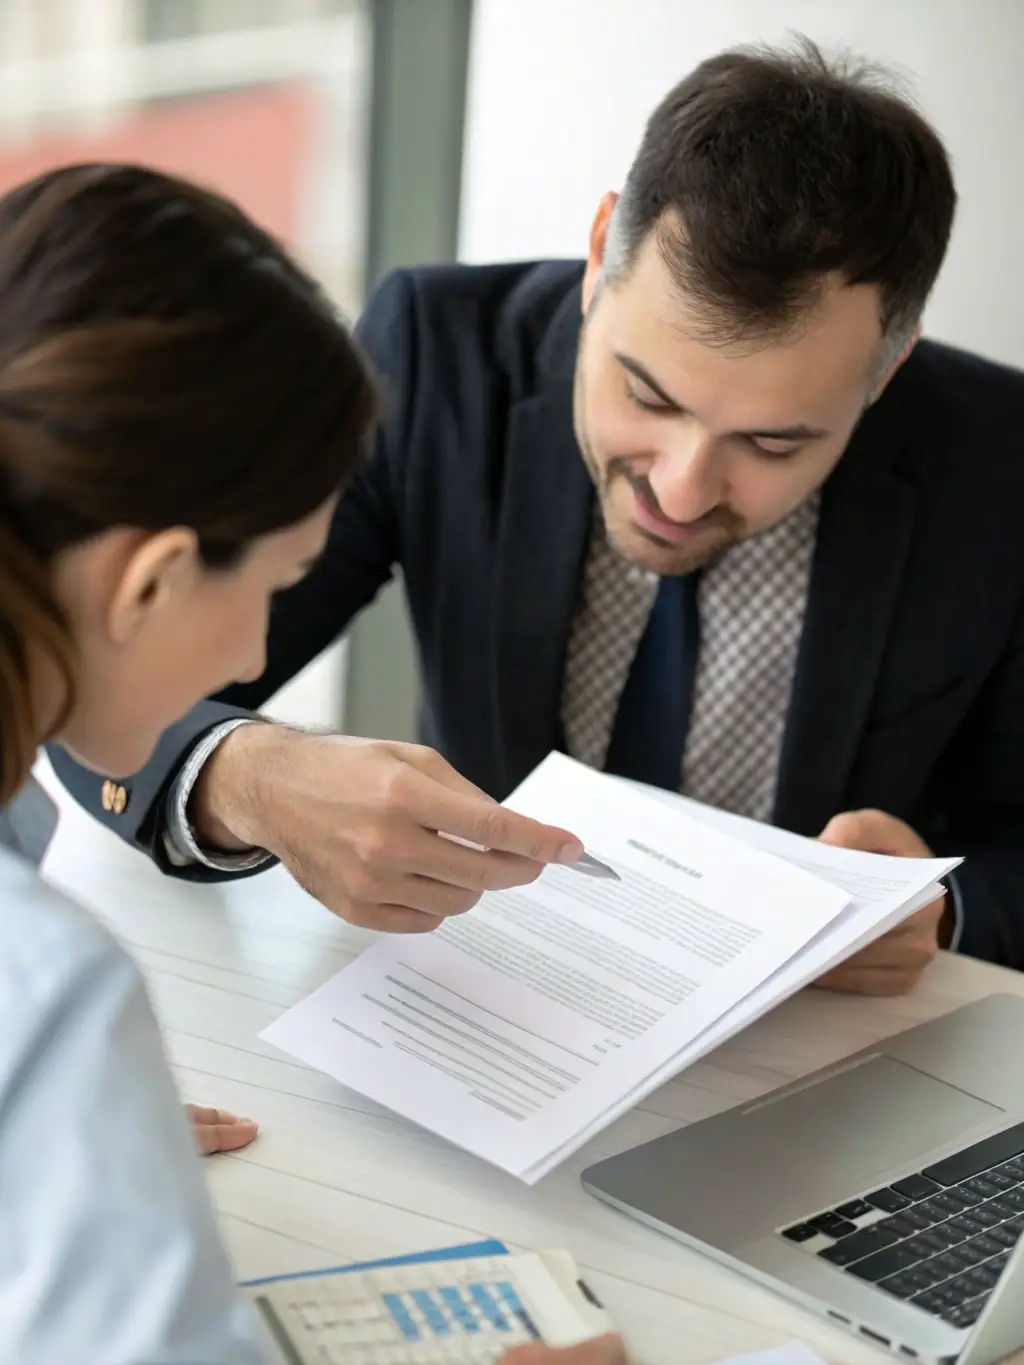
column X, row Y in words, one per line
column 435, row 1312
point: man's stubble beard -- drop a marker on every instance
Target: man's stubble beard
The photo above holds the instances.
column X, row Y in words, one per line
column 668, row 560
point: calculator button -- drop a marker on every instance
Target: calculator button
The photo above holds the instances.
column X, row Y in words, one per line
column 487, row 1305
column 402, row 1319
column 432, row 1316
column 516, row 1306
column 424, row 1353
column 377, row 1332
column 461, row 1311
column 366, row 1311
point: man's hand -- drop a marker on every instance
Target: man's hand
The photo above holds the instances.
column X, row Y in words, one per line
column 358, row 823
column 894, row 963
column 215, row 1130
column 602, row 1351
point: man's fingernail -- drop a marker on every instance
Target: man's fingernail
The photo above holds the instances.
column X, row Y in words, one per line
column 571, row 852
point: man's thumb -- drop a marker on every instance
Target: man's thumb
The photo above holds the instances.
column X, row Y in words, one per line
column 844, row 831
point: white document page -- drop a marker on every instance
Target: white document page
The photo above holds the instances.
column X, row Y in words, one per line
column 885, row 891
column 787, row 981
column 513, row 1028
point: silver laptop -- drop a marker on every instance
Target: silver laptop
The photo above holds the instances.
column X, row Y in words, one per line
column 885, row 1192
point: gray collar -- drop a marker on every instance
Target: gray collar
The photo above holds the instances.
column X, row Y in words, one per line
column 28, row 823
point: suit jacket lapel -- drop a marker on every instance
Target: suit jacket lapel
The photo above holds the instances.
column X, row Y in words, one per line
column 542, row 538
column 864, row 536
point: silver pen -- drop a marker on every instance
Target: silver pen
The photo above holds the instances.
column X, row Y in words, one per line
column 588, row 864
column 593, row 867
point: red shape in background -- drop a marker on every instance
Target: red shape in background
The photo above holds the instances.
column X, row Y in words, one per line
column 253, row 145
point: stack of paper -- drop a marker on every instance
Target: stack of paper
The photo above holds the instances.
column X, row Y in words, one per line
column 524, row 1027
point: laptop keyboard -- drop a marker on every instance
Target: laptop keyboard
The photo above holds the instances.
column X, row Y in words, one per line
column 939, row 1238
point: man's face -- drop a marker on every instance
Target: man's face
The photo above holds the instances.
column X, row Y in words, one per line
column 694, row 446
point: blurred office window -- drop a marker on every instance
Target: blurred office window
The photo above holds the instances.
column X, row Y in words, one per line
column 169, row 19
column 265, row 100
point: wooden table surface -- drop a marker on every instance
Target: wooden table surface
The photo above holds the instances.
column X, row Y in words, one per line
column 335, row 1178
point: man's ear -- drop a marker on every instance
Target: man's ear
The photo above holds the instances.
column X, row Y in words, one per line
column 160, row 571
column 598, row 242
column 900, row 360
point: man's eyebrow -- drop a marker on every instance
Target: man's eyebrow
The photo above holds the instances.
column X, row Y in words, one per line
column 638, row 371
column 800, row 432
column 797, row 433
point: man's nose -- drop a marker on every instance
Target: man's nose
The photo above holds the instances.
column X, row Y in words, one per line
column 686, row 478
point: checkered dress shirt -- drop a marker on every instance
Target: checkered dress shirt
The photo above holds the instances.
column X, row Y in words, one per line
column 751, row 605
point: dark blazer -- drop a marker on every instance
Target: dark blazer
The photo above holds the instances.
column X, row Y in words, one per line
column 909, row 694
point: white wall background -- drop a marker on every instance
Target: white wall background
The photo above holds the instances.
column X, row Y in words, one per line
column 560, row 89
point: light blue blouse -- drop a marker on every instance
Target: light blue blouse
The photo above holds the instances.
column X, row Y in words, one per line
column 109, row 1254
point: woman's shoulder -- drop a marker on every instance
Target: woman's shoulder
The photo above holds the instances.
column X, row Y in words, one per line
column 50, row 947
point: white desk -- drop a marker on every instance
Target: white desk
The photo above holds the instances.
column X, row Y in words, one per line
column 334, row 1178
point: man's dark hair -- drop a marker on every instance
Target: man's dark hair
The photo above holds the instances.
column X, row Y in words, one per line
column 765, row 170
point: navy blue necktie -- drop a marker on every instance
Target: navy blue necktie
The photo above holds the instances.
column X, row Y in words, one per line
column 654, row 710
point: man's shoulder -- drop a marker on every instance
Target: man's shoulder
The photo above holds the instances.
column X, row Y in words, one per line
column 513, row 290
column 963, row 384
column 958, row 416
column 501, row 314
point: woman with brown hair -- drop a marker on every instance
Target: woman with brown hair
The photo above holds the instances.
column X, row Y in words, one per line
column 179, row 410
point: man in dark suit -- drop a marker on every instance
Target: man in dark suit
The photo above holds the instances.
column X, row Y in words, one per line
column 798, row 592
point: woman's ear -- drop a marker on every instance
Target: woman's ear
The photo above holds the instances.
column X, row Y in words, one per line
column 162, row 570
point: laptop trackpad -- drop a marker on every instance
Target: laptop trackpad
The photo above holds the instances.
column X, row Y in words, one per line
column 876, row 1116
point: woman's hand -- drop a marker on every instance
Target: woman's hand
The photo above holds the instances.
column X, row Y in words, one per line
column 602, row 1351
column 215, row 1130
